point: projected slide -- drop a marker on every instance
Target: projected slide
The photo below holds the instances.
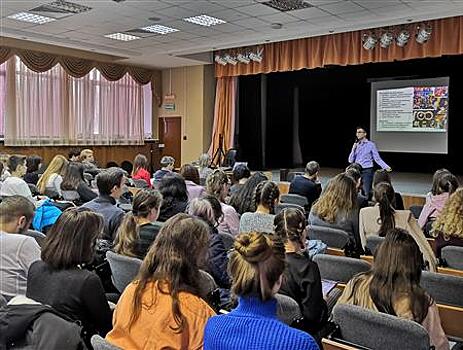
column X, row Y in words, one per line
column 412, row 109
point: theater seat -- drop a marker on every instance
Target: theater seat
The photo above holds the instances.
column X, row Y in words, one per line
column 288, row 309
column 373, row 243
column 332, row 237
column 100, row 343
column 453, row 257
column 379, row 331
column 339, row 268
column 123, row 268
column 445, row 289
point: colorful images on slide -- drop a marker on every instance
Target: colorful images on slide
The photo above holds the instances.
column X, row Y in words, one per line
column 430, row 107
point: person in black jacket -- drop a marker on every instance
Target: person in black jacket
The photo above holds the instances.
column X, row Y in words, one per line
column 302, row 277
column 73, row 180
column 307, row 185
column 217, row 257
column 174, row 196
column 60, row 279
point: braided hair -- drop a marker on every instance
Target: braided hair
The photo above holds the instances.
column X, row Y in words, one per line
column 290, row 225
column 266, row 194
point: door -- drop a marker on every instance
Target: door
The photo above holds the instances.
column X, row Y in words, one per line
column 170, row 134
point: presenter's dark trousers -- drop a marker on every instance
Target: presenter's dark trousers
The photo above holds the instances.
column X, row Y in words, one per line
column 367, row 180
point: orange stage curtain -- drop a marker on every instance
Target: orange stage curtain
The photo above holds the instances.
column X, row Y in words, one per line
column 224, row 113
column 346, row 49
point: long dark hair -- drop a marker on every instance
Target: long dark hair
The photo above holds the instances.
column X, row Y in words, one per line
column 71, row 240
column 173, row 188
column 33, row 163
column 266, row 194
column 396, row 273
column 173, row 261
column 73, row 176
column 384, row 196
column 242, row 200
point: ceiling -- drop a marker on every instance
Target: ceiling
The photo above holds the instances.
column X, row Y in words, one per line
column 248, row 22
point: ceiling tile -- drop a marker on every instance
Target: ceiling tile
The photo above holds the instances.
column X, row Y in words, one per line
column 228, row 28
column 251, row 23
column 341, row 7
column 233, row 4
column 360, row 15
column 279, row 18
column 308, row 13
column 202, row 6
column 257, row 10
column 373, row 4
column 229, row 15
column 178, row 12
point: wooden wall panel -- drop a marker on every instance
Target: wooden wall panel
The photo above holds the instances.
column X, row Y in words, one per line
column 103, row 154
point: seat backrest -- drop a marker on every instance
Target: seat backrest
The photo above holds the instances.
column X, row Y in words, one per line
column 139, row 183
column 292, row 174
column 207, row 282
column 339, row 268
column 229, row 158
column 294, row 199
column 227, row 240
column 123, row 268
column 37, row 235
column 453, row 256
column 416, row 210
column 71, row 195
column 100, row 343
column 3, row 301
column 445, row 289
column 332, row 237
column 281, row 206
column 373, row 243
column 379, row 331
column 288, row 309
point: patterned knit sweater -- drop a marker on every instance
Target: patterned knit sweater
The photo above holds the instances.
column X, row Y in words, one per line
column 253, row 325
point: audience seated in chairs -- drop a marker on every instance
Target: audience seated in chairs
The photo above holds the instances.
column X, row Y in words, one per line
column 448, row 227
column 60, row 279
column 241, row 174
column 378, row 220
column 217, row 185
column 302, row 280
column 33, row 164
column 140, row 169
column 382, row 175
column 74, row 188
column 256, row 265
column 191, row 176
column 204, row 163
column 137, row 231
column 393, row 286
column 50, row 182
column 217, row 260
column 14, row 183
column 18, row 251
column 354, row 173
column 444, row 184
column 174, row 196
column 167, row 166
column 242, row 200
column 307, row 185
column 337, row 208
column 266, row 197
column 164, row 306
column 111, row 185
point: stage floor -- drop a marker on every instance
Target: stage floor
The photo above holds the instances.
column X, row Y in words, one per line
column 414, row 184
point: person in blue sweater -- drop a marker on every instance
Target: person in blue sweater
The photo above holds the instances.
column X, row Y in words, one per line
column 256, row 266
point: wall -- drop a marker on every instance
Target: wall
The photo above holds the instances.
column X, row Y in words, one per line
column 194, row 103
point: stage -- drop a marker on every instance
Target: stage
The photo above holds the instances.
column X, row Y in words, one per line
column 412, row 186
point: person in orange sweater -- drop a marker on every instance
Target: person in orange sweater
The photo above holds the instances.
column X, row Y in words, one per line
column 163, row 307
column 140, row 172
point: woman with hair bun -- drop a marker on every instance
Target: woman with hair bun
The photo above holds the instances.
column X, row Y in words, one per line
column 265, row 198
column 302, row 277
column 256, row 266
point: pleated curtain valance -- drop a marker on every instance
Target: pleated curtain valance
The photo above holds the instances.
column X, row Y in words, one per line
column 76, row 67
column 345, row 49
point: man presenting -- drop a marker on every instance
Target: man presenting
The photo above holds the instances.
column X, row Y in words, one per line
column 364, row 152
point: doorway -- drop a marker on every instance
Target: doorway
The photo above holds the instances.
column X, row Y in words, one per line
column 170, row 134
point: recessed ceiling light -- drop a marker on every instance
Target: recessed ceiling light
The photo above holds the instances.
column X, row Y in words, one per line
column 204, row 20
column 31, row 18
column 122, row 36
column 157, row 28
column 287, row 5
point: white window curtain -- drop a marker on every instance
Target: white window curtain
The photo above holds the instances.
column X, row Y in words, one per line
column 2, row 98
column 53, row 108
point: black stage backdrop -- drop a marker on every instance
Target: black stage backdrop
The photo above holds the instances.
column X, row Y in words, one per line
column 287, row 119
